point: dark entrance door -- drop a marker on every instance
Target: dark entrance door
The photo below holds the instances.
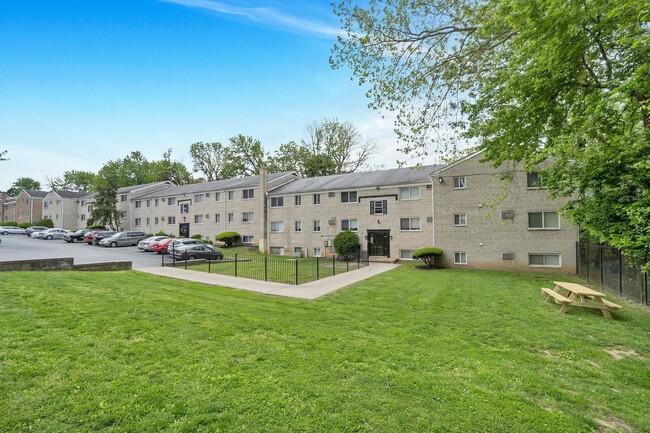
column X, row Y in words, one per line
column 379, row 243
column 184, row 230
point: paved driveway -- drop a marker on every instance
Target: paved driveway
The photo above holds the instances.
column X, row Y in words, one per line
column 21, row 247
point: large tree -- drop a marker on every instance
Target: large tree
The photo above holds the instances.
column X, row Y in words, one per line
column 73, row 180
column 168, row 169
column 529, row 81
column 208, row 158
column 23, row 183
column 244, row 157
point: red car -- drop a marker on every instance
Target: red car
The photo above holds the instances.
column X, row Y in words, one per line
column 161, row 246
column 88, row 237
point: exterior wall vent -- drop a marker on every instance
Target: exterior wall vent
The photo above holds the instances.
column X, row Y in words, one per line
column 429, row 219
column 332, row 222
column 429, row 186
column 507, row 256
column 507, row 214
column 331, row 194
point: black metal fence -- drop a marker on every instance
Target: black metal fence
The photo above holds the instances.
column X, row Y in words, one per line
column 608, row 267
column 280, row 269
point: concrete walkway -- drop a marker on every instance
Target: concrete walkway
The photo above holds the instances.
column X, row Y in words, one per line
column 312, row 290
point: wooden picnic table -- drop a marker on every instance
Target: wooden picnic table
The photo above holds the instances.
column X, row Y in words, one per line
column 578, row 295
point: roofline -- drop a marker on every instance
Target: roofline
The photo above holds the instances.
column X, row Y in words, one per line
column 460, row 161
column 352, row 188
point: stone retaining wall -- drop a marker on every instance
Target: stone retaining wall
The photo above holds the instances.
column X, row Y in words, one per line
column 63, row 264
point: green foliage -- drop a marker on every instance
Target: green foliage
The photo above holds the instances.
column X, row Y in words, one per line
column 228, row 238
column 47, row 222
column 24, row 225
column 23, row 183
column 244, row 157
column 196, row 236
column 173, row 171
column 208, row 158
column 346, row 243
column 533, row 81
column 428, row 255
column 74, row 180
column 10, row 224
column 96, row 227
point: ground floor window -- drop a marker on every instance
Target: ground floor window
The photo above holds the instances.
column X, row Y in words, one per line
column 349, row 225
column 460, row 258
column 138, row 221
column 247, row 239
column 317, row 252
column 171, row 220
column 549, row 260
column 406, row 254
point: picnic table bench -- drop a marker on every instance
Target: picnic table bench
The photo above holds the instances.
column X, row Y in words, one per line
column 579, row 296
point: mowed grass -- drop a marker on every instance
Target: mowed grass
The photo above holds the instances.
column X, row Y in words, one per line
column 406, row 351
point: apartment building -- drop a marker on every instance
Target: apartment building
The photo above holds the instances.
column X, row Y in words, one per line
column 129, row 195
column 499, row 218
column 7, row 207
column 62, row 208
column 26, row 207
column 389, row 209
column 208, row 208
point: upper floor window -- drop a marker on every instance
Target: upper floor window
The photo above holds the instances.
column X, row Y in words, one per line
column 297, row 200
column 217, row 218
column 185, row 207
column 379, row 207
column 198, row 198
column 148, row 203
column 297, row 226
column 231, row 195
column 171, row 220
column 277, row 201
column 409, row 193
column 459, row 182
column 316, row 198
column 409, row 224
column 123, row 197
column 277, row 226
column 247, row 217
column 543, row 221
column 171, row 201
column 533, row 181
column 217, row 196
column 351, row 225
column 155, row 202
column 460, row 219
column 231, row 217
column 248, row 194
column 138, row 221
column 349, row 197
column 317, row 226
column 138, row 204
column 198, row 219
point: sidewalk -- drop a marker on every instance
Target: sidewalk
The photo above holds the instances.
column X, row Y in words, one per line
column 312, row 290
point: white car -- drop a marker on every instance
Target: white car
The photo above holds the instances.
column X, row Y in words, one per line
column 147, row 244
column 38, row 234
column 54, row 234
column 11, row 230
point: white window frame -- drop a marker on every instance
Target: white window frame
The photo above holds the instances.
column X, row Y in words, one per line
column 406, row 193
column 543, row 213
column 247, row 239
column 184, row 207
column 348, row 198
column 530, row 182
column 460, row 219
column 316, row 226
column 217, row 196
column 217, row 218
column 459, row 182
column 352, row 223
column 544, row 265
column 247, row 217
column 297, row 200
column 137, row 222
column 231, row 217
column 410, row 224
column 198, row 219
column 279, row 201
column 460, row 258
column 248, row 194
column 317, row 252
column 410, row 254
column 231, row 195
column 171, row 201
column 316, row 199
column 198, row 198
column 138, row 204
column 277, row 226
column 171, row 220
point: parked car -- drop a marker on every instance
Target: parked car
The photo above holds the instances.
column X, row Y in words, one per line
column 54, row 233
column 167, row 245
column 123, row 239
column 88, row 237
column 161, row 246
column 11, row 230
column 38, row 234
column 197, row 251
column 147, row 244
column 76, row 236
column 32, row 229
column 98, row 236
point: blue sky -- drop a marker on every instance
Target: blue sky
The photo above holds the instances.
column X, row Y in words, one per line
column 82, row 82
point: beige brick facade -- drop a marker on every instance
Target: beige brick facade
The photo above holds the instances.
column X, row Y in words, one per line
column 62, row 208
column 466, row 223
column 26, row 207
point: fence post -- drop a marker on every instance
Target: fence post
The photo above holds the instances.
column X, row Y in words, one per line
column 347, row 265
column 186, row 263
column 359, row 257
column 333, row 265
column 600, row 257
column 588, row 263
column 162, row 260
column 578, row 258
column 235, row 265
column 296, row 272
column 620, row 272
column 644, row 295
column 209, row 263
column 266, row 268
column 173, row 256
column 317, row 268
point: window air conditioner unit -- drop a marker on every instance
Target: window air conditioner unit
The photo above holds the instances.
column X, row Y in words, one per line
column 507, row 256
column 507, row 214
column 429, row 186
column 429, row 219
column 162, row 218
column 207, row 216
column 331, row 194
column 163, row 199
column 332, row 222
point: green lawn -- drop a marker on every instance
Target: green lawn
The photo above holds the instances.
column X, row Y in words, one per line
column 407, row 351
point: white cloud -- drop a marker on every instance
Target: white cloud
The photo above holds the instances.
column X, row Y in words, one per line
column 265, row 16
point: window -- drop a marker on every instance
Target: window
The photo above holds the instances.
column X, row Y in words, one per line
column 533, row 181
column 460, row 258
column 409, row 193
column 406, row 254
column 198, row 219
column 409, row 224
column 217, row 218
column 349, row 197
column 155, row 202
column 148, row 203
column 297, row 200
column 90, row 208
column 123, row 197
column 317, row 226
column 138, row 204
column 459, row 182
column 247, row 239
column 247, row 217
column 171, row 220
column 351, row 225
column 543, row 221
column 277, row 226
column 297, row 225
column 248, row 194
column 171, row 201
column 277, row 201
column 83, row 217
column 379, row 207
column 138, row 222
column 217, row 196
column 316, row 198
column 231, row 217
column 148, row 221
column 122, row 214
column 231, row 195
column 317, row 252
column 460, row 219
column 548, row 260
column 198, row 198
column 155, row 220
column 185, row 208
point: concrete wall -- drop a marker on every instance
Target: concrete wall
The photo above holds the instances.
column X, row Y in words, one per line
column 62, row 264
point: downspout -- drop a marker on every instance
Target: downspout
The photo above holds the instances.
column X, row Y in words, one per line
column 433, row 213
column 62, row 215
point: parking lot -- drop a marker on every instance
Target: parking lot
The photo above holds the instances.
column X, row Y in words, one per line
column 21, row 247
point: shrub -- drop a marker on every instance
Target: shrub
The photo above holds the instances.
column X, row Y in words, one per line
column 228, row 238
column 24, row 225
column 10, row 224
column 197, row 236
column 346, row 243
column 96, row 227
column 45, row 223
column 428, row 255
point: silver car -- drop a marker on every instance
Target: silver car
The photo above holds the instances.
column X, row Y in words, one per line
column 54, row 234
column 123, row 239
column 11, row 230
column 147, row 244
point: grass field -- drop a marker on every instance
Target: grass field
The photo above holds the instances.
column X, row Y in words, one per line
column 407, row 351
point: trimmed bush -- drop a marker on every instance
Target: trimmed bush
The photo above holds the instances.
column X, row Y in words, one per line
column 428, row 256
column 45, row 223
column 197, row 236
column 96, row 226
column 228, row 238
column 24, row 225
column 346, row 243
column 10, row 224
